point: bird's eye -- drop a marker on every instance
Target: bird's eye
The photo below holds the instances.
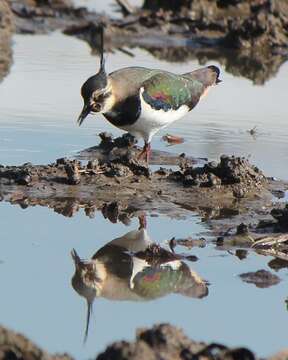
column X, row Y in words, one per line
column 96, row 107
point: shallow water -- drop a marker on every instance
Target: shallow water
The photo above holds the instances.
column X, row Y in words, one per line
column 40, row 102
column 107, row 6
column 38, row 300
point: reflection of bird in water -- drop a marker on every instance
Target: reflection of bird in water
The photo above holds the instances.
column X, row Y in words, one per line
column 142, row 101
column 121, row 271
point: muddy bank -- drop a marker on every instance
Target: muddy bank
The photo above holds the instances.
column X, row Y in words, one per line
column 41, row 17
column 17, row 346
column 249, row 38
column 235, row 24
column 111, row 181
column 6, row 31
column 114, row 175
column 161, row 341
column 170, row 343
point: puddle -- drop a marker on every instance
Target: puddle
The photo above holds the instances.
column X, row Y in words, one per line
column 280, row 196
column 40, row 102
column 37, row 264
column 43, row 123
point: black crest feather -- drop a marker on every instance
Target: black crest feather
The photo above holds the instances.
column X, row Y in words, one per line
column 102, row 60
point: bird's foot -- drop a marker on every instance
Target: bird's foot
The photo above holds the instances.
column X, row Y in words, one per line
column 145, row 153
column 142, row 221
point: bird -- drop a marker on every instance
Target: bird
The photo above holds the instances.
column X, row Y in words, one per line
column 121, row 271
column 141, row 100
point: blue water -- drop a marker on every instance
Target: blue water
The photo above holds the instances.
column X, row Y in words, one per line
column 40, row 102
column 38, row 300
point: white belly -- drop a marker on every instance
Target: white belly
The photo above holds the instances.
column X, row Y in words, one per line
column 151, row 120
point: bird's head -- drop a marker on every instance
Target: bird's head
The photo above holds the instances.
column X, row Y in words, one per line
column 97, row 90
column 87, row 281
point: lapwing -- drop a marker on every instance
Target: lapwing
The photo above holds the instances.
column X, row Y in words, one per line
column 117, row 271
column 142, row 101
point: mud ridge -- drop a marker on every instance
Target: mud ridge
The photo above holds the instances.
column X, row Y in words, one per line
column 112, row 181
column 161, row 341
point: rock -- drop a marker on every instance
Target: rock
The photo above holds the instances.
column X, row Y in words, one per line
column 260, row 278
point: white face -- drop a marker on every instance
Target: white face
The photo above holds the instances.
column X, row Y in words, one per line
column 98, row 101
column 88, row 278
column 102, row 100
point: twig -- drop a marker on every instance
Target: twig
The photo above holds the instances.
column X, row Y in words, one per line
column 272, row 252
column 126, row 52
column 126, row 7
column 270, row 241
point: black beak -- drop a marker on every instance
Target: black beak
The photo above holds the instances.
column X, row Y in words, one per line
column 84, row 113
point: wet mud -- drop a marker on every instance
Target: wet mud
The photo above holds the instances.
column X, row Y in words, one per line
column 234, row 198
column 17, row 346
column 114, row 175
column 6, row 31
column 261, row 278
column 168, row 342
column 248, row 38
column 161, row 341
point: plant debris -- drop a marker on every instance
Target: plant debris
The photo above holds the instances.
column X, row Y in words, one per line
column 172, row 139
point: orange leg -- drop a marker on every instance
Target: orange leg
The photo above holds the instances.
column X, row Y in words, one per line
column 145, row 153
column 142, row 221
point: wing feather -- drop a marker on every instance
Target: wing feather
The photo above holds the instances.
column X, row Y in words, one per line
column 167, row 91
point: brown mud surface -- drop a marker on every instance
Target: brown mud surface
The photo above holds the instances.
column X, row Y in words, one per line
column 261, row 278
column 6, row 31
column 162, row 341
column 111, row 180
column 16, row 346
column 249, row 38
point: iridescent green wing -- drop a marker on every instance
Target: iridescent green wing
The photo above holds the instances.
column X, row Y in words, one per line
column 152, row 283
column 167, row 91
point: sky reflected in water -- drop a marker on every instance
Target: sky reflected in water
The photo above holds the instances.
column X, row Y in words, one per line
column 37, row 297
column 40, row 102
